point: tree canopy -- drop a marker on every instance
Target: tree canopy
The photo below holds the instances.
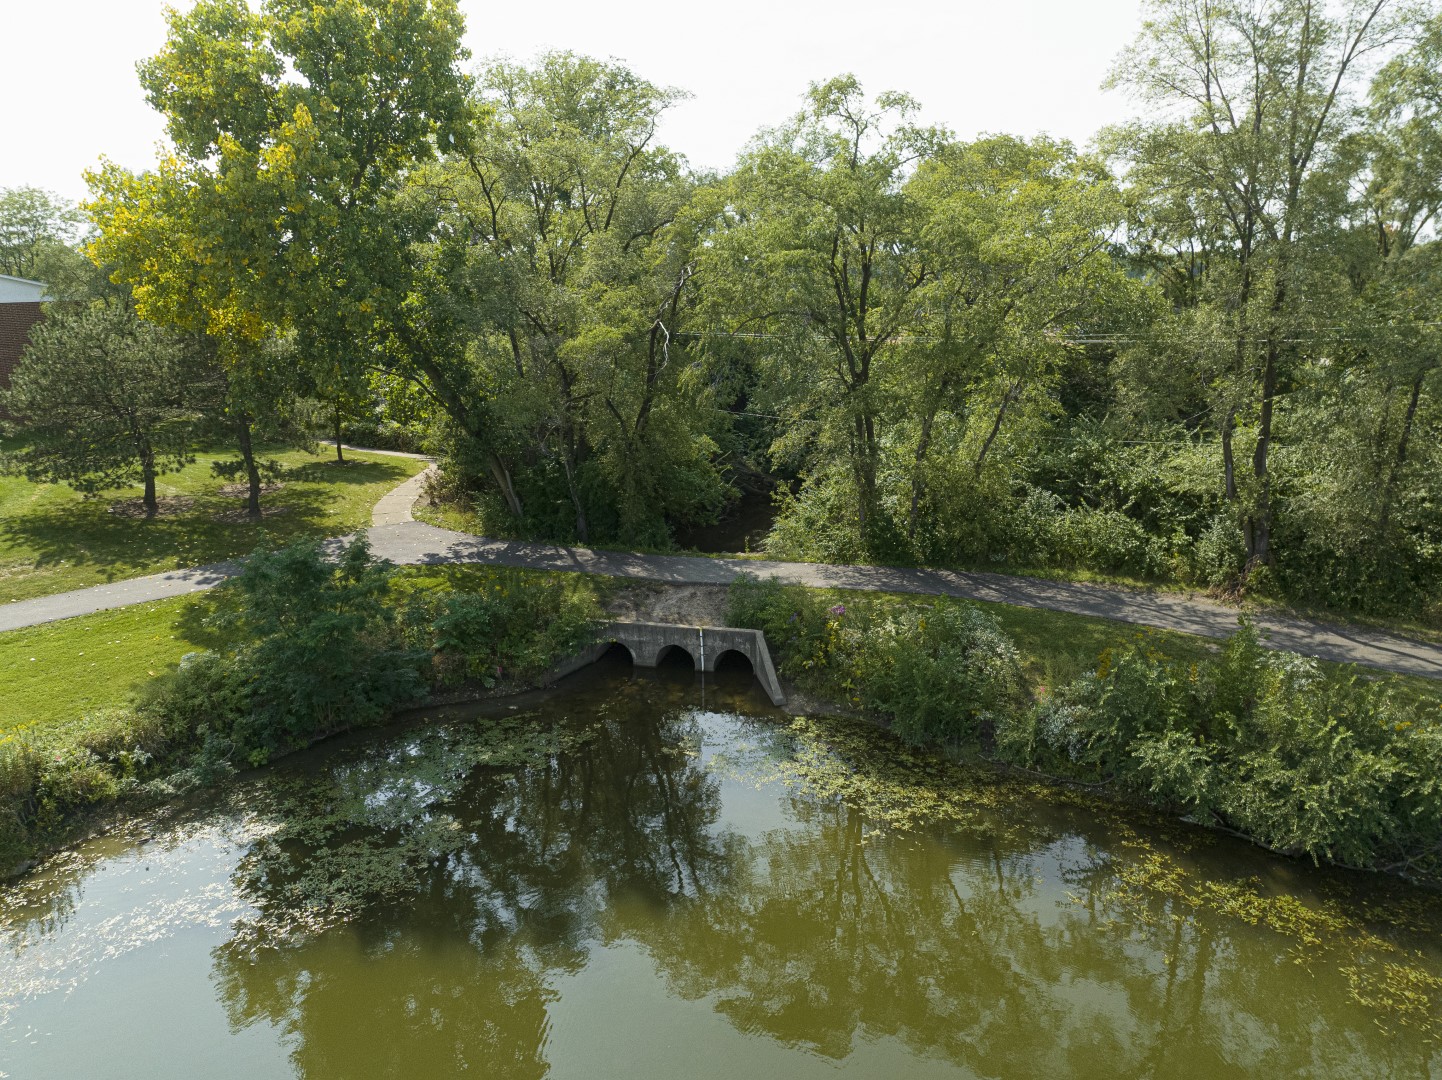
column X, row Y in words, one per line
column 1203, row 350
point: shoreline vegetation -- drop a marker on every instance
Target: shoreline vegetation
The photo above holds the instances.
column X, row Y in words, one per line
column 1303, row 758
column 294, row 650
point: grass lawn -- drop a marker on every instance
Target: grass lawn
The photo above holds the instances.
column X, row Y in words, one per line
column 56, row 673
column 52, row 539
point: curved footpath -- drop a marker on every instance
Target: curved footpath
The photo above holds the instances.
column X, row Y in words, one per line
column 396, row 535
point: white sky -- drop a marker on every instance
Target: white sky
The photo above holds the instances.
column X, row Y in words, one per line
column 1018, row 66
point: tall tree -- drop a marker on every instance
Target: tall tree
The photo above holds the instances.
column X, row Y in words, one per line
column 292, row 127
column 824, row 251
column 1400, row 205
column 1022, row 236
column 566, row 242
column 1251, row 102
column 35, row 226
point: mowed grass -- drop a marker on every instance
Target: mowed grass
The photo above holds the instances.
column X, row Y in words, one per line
column 57, row 673
column 52, row 539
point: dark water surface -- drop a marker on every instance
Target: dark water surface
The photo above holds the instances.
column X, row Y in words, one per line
column 623, row 880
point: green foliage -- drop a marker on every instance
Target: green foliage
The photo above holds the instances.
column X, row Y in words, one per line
column 1210, row 357
column 563, row 268
column 1313, row 761
column 1303, row 757
column 503, row 628
column 36, row 229
column 102, row 399
column 322, row 650
column 797, row 622
column 942, row 673
column 299, row 647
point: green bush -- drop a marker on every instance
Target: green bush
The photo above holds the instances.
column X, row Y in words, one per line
column 799, row 627
column 42, row 789
column 942, row 673
column 503, row 628
column 321, row 652
column 1305, row 760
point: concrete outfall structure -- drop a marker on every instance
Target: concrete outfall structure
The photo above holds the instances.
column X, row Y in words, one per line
column 705, row 645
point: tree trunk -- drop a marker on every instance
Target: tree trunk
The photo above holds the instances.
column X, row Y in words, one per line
column 339, row 457
column 863, row 470
column 252, row 473
column 923, row 446
column 1389, row 489
column 583, row 533
column 1006, row 400
column 1259, row 530
column 503, row 480
column 147, row 470
column 1229, row 461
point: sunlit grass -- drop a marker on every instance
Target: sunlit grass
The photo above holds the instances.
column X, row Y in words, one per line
column 52, row 539
column 57, row 673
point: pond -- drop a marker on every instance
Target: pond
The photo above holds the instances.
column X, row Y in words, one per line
column 639, row 876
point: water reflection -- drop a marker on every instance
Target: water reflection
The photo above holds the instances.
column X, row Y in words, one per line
column 585, row 890
column 512, row 883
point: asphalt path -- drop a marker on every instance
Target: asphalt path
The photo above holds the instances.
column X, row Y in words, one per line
column 399, row 538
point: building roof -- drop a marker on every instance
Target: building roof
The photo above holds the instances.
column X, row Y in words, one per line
column 16, row 290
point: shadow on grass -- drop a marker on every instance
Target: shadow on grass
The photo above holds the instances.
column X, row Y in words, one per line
column 196, row 622
column 86, row 534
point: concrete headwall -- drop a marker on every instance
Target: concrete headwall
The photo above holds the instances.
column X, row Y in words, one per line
column 704, row 644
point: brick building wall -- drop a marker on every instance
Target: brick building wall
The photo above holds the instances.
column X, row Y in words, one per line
column 15, row 323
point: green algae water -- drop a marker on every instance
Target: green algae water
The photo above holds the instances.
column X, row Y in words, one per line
column 637, row 876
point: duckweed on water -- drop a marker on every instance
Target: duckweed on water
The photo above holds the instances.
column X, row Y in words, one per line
column 483, row 883
column 897, row 788
column 902, row 790
column 363, row 833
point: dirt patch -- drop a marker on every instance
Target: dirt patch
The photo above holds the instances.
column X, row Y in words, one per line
column 240, row 491
column 678, row 605
column 168, row 506
column 239, row 516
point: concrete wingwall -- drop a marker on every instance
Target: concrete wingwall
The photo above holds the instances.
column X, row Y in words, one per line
column 704, row 644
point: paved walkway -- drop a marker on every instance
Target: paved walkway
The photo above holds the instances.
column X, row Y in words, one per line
column 395, row 535
column 396, row 505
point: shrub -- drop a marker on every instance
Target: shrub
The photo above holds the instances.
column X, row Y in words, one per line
column 820, row 523
column 1306, row 760
column 317, row 649
column 1217, row 556
column 503, row 627
column 322, row 650
column 943, row 673
column 799, row 626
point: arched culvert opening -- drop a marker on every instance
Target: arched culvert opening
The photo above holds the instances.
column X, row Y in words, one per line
column 734, row 662
column 616, row 657
column 675, row 658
